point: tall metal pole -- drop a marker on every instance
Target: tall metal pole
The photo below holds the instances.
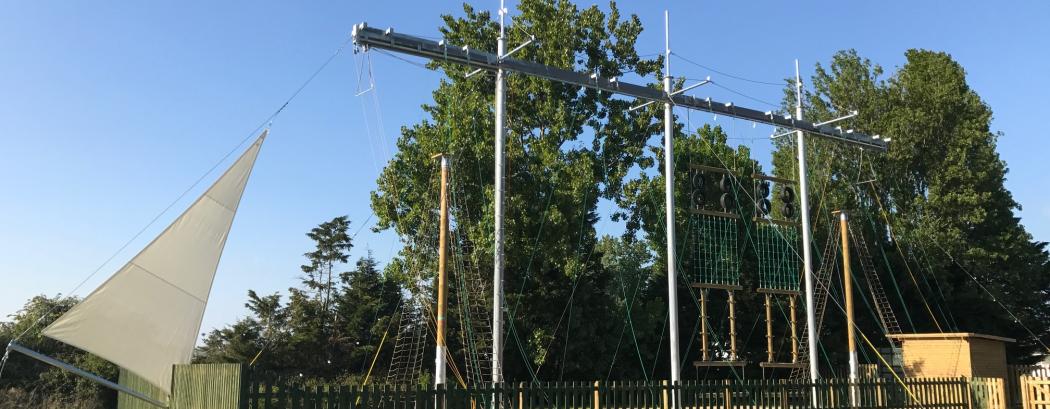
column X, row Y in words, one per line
column 439, row 352
column 847, row 287
column 672, row 277
column 807, row 256
column 497, row 270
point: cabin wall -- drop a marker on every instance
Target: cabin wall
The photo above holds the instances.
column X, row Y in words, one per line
column 954, row 355
column 937, row 357
column 988, row 358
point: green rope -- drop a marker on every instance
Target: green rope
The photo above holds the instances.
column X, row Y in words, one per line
column 893, row 276
column 929, row 268
column 628, row 303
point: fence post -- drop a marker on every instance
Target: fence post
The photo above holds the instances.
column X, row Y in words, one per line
column 596, row 404
column 1026, row 393
column 1000, row 389
column 265, row 397
column 728, row 396
column 664, row 401
column 970, row 391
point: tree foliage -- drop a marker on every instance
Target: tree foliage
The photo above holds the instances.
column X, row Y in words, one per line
column 34, row 383
column 567, row 148
column 936, row 209
column 328, row 328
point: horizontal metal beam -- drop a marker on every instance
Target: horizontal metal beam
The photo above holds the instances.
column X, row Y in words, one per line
column 12, row 346
column 366, row 37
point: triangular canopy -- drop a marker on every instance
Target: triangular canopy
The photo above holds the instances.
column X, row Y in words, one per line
column 145, row 318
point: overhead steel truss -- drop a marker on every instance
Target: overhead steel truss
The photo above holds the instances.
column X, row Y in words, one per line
column 388, row 39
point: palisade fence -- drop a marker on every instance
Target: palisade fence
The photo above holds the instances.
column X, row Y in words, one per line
column 1014, row 388
column 930, row 393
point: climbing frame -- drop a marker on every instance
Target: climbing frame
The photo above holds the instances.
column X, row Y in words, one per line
column 776, row 244
column 714, row 225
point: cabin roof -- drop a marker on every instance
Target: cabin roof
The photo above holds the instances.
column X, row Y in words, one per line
column 947, row 335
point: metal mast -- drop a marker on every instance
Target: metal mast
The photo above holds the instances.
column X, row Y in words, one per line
column 672, row 274
column 497, row 269
column 807, row 256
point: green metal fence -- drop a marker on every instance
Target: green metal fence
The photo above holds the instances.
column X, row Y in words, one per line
column 927, row 393
column 204, row 386
column 136, row 383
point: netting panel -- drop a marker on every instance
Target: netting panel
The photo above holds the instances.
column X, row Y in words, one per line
column 716, row 258
column 778, row 262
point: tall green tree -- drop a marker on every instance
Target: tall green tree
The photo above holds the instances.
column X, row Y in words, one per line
column 326, row 329
column 937, row 209
column 638, row 307
column 566, row 149
column 314, row 308
column 364, row 306
column 261, row 339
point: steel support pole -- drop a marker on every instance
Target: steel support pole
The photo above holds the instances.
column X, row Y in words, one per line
column 440, row 364
column 13, row 346
column 672, row 260
column 497, row 269
column 807, row 256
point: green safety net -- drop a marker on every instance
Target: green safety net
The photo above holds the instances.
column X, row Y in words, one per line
column 778, row 266
column 715, row 259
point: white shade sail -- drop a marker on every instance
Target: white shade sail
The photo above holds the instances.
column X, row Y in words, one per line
column 145, row 318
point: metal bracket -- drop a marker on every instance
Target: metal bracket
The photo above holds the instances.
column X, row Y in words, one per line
column 697, row 85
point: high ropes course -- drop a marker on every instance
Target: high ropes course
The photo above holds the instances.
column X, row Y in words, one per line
column 742, row 230
column 744, row 233
column 745, row 237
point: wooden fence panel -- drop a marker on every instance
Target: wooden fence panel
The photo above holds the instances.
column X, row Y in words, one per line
column 1035, row 392
column 1013, row 381
column 925, row 393
column 988, row 393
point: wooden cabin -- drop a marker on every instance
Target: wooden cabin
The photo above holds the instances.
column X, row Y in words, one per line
column 953, row 354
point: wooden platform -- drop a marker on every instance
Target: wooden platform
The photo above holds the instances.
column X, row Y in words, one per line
column 776, row 291
column 775, row 365
column 715, row 213
column 728, row 287
column 719, row 363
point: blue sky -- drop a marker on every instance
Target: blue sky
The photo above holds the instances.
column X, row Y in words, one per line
column 110, row 110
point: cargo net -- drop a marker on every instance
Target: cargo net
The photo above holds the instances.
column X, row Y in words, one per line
column 778, row 265
column 715, row 257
